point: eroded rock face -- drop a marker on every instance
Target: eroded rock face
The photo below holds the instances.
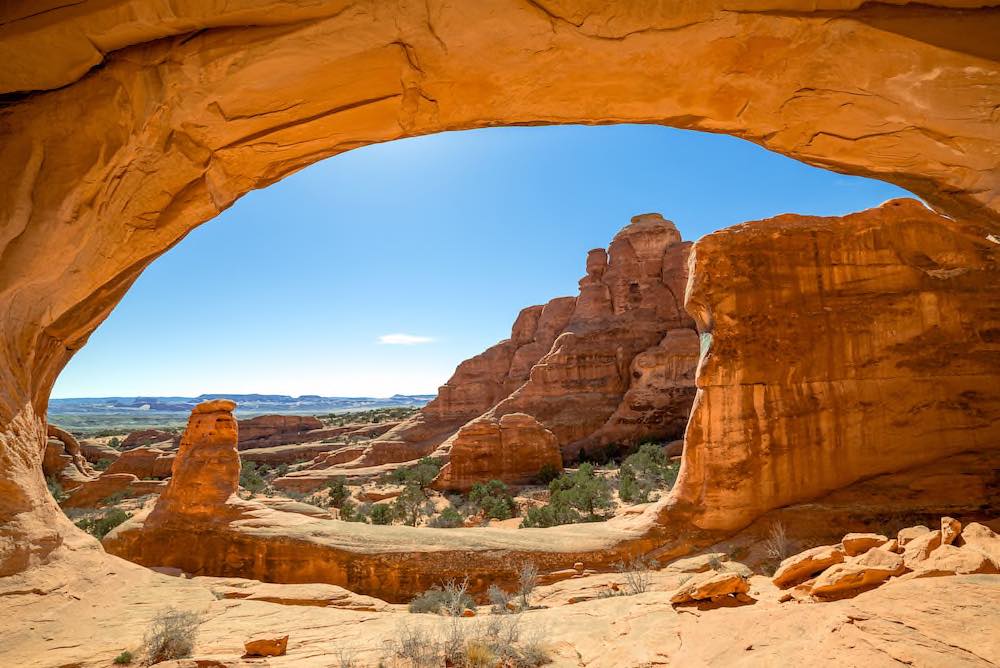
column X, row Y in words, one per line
column 873, row 349
column 512, row 449
column 144, row 463
column 144, row 437
column 629, row 301
column 206, row 472
column 271, row 430
column 86, row 211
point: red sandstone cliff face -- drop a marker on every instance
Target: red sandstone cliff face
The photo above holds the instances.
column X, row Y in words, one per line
column 837, row 349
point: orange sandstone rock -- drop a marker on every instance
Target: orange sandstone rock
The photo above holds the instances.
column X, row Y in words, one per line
column 266, row 644
column 799, row 567
column 859, row 543
column 512, row 449
column 857, row 574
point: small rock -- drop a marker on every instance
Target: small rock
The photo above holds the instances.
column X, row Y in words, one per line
column 859, row 543
column 798, row 567
column 266, row 644
column 950, row 530
column 711, row 586
column 871, row 568
column 578, row 566
column 468, row 612
column 909, row 533
column 982, row 539
column 920, row 548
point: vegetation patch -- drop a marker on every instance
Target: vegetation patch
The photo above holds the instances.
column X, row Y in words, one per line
column 580, row 496
column 102, row 524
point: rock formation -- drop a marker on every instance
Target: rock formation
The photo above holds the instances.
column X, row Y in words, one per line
column 837, row 349
column 144, row 437
column 63, row 458
column 90, row 494
column 512, row 449
column 270, row 430
column 630, row 299
column 144, row 463
column 908, row 100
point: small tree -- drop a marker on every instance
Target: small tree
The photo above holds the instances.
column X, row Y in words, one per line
column 252, row 478
column 493, row 499
column 338, row 491
column 448, row 519
column 547, row 473
column 381, row 514
column 410, row 503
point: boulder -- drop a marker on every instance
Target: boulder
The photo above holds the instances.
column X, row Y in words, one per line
column 920, row 548
column 512, row 449
column 711, row 586
column 908, row 534
column 143, row 437
column 858, row 574
column 144, row 463
column 981, row 538
column 950, row 560
column 94, row 452
column 266, row 644
column 799, row 567
column 950, row 530
column 859, row 543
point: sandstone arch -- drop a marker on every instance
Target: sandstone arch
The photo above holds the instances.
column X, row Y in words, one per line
column 128, row 124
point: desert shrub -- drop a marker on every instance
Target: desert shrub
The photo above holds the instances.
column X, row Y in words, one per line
column 497, row 640
column 500, row 599
column 580, row 496
column 338, row 491
column 411, row 504
column 103, row 464
column 645, row 471
column 547, row 473
column 101, row 525
column 123, row 659
column 448, row 519
column 115, row 443
column 113, row 499
column 777, row 547
column 351, row 513
column 638, row 575
column 281, row 471
column 170, row 636
column 598, row 457
column 527, row 579
column 422, row 473
column 55, row 489
column 381, row 513
column 492, row 499
column 451, row 600
column 550, row 515
column 252, row 477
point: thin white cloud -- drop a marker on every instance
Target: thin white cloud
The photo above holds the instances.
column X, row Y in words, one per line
column 404, row 339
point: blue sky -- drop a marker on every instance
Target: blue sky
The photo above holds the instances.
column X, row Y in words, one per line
column 434, row 242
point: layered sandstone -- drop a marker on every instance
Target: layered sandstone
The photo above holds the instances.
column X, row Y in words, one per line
column 144, row 463
column 63, row 458
column 266, row 431
column 837, row 349
column 144, row 437
column 193, row 106
column 512, row 449
column 630, row 299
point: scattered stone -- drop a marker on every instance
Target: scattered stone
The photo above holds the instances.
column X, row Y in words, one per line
column 859, row 543
column 952, row 560
column 851, row 577
column 909, row 533
column 711, row 586
column 982, row 539
column 266, row 645
column 801, row 566
column 920, row 548
column 950, row 530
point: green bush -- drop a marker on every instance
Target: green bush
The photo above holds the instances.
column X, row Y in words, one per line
column 422, row 473
column 338, row 491
column 103, row 464
column 547, row 474
column 123, row 659
column 411, row 504
column 252, row 477
column 381, row 514
column 55, row 489
column 644, row 472
column 101, row 525
column 114, row 443
column 493, row 500
column 351, row 513
column 448, row 519
column 580, row 496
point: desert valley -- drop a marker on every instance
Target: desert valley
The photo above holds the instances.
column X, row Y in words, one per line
column 776, row 444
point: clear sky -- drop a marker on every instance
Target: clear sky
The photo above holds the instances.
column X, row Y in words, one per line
column 377, row 271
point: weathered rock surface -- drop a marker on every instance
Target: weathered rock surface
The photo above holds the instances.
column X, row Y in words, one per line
column 266, row 431
column 144, row 437
column 711, row 586
column 91, row 493
column 95, row 452
column 512, row 449
column 144, row 463
column 982, row 539
column 873, row 350
column 858, row 573
column 265, row 644
column 799, row 567
column 629, row 301
column 859, row 543
column 63, row 458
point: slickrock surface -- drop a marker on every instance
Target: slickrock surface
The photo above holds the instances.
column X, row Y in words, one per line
column 872, row 349
column 512, row 449
column 143, row 437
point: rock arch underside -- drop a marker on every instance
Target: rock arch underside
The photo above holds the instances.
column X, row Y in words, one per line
column 868, row 347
